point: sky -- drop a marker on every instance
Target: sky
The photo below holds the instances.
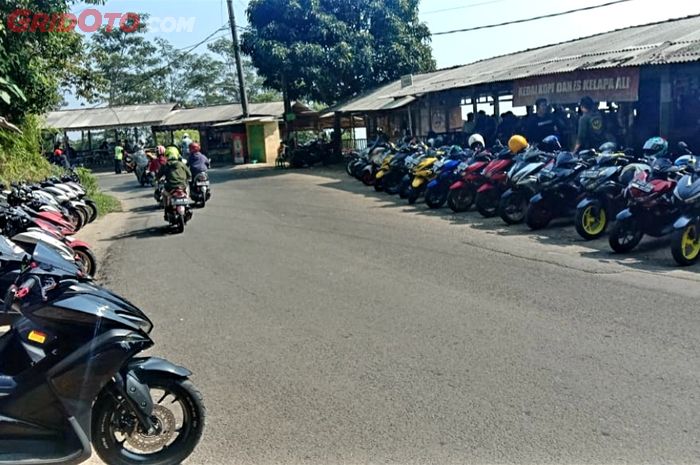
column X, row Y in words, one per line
column 443, row 15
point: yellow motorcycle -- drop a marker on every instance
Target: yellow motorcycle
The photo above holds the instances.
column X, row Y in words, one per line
column 383, row 171
column 423, row 173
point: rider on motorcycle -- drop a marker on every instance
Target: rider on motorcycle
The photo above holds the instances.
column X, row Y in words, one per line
column 177, row 175
column 157, row 162
column 197, row 161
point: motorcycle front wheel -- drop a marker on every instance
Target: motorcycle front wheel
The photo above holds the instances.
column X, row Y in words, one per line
column 512, row 208
column 87, row 258
column 685, row 245
column 487, row 203
column 591, row 221
column 435, row 198
column 179, row 416
column 538, row 216
column 461, row 200
column 625, row 235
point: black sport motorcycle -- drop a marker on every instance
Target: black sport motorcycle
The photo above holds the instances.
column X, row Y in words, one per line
column 70, row 377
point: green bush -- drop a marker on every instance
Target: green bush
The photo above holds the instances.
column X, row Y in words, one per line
column 20, row 154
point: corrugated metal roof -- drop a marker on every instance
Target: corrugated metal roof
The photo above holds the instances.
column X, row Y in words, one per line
column 672, row 41
column 108, row 117
column 220, row 113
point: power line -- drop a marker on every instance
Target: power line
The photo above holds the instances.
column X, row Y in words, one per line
column 462, row 7
column 526, row 20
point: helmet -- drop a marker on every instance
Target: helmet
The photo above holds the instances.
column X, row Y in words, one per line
column 195, row 147
column 608, row 147
column 476, row 139
column 517, row 144
column 172, row 153
column 687, row 161
column 185, row 136
column 656, row 147
column 160, row 150
column 550, row 144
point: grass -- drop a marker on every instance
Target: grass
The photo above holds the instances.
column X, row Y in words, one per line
column 105, row 202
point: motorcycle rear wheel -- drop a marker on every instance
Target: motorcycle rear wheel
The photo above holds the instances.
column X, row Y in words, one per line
column 685, row 245
column 625, row 236
column 173, row 398
column 180, row 225
column 435, row 199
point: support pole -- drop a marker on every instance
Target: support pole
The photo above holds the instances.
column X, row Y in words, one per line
column 237, row 54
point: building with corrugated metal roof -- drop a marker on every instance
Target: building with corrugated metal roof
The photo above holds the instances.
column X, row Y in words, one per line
column 647, row 76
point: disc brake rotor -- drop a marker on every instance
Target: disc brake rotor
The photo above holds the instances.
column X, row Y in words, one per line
column 165, row 419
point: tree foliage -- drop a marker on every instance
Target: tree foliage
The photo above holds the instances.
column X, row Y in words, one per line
column 34, row 66
column 329, row 50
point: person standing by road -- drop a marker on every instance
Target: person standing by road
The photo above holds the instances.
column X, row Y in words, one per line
column 185, row 145
column 541, row 124
column 591, row 131
column 118, row 157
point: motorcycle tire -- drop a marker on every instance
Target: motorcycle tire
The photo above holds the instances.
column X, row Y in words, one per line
column 392, row 188
column 685, row 245
column 367, row 178
column 94, row 212
column 591, row 221
column 180, row 225
column 512, row 209
column 88, row 259
column 108, row 409
column 625, row 236
column 487, row 203
column 405, row 190
column 435, row 199
column 77, row 220
column 348, row 167
column 378, row 185
column 413, row 195
column 461, row 200
column 538, row 216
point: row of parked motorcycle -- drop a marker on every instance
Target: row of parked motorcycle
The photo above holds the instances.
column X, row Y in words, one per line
column 72, row 376
column 625, row 194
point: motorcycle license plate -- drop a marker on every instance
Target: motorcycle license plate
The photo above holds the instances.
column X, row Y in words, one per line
column 181, row 202
column 590, row 174
column 203, row 183
column 642, row 186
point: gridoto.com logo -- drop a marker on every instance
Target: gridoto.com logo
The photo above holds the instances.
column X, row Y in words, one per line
column 91, row 20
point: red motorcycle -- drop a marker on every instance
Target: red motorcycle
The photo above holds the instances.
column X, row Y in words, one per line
column 178, row 211
column 651, row 209
column 494, row 184
column 463, row 192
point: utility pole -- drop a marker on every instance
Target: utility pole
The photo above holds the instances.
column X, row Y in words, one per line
column 239, row 65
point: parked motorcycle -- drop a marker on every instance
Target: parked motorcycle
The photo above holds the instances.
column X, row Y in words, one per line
column 494, row 184
column 685, row 239
column 651, row 208
column 451, row 170
column 603, row 188
column 559, row 192
column 522, row 179
column 463, row 192
column 422, row 174
column 71, row 378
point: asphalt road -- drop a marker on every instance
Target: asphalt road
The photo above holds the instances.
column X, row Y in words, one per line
column 328, row 324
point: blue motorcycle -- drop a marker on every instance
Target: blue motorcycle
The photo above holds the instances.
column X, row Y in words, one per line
column 449, row 172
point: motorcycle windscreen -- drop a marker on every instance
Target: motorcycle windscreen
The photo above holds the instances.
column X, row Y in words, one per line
column 51, row 260
column 9, row 251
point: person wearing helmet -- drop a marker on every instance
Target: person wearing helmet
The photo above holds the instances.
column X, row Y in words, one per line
column 177, row 175
column 591, row 131
column 476, row 142
column 197, row 161
column 517, row 144
column 185, row 145
column 656, row 147
column 158, row 160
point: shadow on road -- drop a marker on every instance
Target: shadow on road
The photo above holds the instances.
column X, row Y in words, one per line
column 145, row 233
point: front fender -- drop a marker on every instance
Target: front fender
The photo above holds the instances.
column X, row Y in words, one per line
column 537, row 198
column 78, row 244
column 457, row 185
column 683, row 222
column 486, row 187
column 155, row 365
column 380, row 174
column 624, row 214
column 417, row 182
column 585, row 203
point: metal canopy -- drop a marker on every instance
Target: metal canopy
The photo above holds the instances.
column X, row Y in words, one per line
column 108, row 117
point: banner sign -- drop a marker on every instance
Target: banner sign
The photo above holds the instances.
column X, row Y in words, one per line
column 613, row 85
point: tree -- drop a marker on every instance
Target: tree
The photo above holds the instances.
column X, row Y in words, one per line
column 330, row 50
column 34, row 66
column 255, row 85
column 130, row 65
